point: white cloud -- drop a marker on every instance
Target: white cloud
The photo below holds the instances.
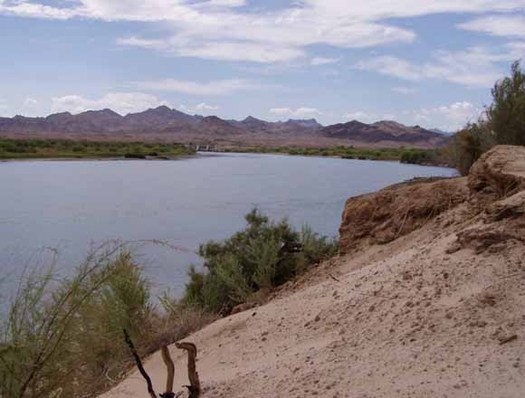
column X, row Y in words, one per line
column 205, row 107
column 224, row 3
column 177, row 10
column 392, row 66
column 219, row 29
column 368, row 117
column 317, row 61
column 202, row 108
column 210, row 88
column 362, row 116
column 122, row 103
column 448, row 117
column 404, row 90
column 281, row 111
column 31, row 107
column 36, row 10
column 238, row 51
column 473, row 67
column 30, row 102
column 224, row 30
column 301, row 112
column 497, row 25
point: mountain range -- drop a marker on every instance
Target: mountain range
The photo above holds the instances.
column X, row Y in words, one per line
column 167, row 124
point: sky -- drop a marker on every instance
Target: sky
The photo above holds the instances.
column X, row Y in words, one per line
column 420, row 62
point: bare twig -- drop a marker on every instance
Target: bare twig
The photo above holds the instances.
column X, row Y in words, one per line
column 194, row 387
column 139, row 364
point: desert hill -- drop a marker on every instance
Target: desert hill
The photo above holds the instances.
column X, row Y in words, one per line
column 167, row 124
column 426, row 300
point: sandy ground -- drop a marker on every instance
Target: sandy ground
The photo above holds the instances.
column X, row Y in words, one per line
column 402, row 320
column 427, row 315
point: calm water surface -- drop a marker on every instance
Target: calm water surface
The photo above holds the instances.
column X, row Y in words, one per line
column 72, row 205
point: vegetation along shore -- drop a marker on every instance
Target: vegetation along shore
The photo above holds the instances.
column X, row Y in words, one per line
column 84, row 149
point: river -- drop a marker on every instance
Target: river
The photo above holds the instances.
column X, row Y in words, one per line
column 68, row 207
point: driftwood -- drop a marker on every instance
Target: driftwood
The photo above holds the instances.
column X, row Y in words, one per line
column 139, row 364
column 170, row 368
column 194, row 388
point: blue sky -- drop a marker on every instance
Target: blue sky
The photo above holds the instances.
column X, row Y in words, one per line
column 426, row 62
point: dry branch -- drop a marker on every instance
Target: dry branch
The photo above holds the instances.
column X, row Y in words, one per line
column 194, row 387
column 139, row 364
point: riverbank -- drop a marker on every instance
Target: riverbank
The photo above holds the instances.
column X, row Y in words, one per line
column 427, row 300
column 35, row 149
column 423, row 157
column 59, row 149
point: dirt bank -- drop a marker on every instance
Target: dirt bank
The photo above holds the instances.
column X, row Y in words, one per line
column 435, row 309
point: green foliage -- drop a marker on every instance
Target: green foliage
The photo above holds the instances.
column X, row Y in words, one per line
column 422, row 156
column 64, row 337
column 506, row 115
column 425, row 156
column 469, row 144
column 316, row 248
column 504, row 123
column 262, row 256
column 54, row 148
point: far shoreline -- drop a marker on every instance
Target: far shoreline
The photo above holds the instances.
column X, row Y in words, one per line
column 74, row 150
column 199, row 154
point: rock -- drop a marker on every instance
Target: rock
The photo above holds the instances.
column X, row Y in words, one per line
column 504, row 222
column 453, row 248
column 481, row 239
column 395, row 211
column 498, row 173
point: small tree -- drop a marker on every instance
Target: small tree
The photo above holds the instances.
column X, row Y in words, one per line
column 503, row 122
column 506, row 115
column 469, row 144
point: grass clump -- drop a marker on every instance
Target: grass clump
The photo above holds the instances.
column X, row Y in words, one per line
column 262, row 256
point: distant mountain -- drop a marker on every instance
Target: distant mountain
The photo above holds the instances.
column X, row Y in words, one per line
column 384, row 131
column 158, row 117
column 163, row 123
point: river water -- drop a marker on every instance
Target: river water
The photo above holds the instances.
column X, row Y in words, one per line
column 62, row 209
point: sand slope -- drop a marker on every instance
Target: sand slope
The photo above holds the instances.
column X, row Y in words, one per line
column 439, row 312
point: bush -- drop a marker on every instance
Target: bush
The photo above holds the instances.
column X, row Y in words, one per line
column 64, row 338
column 506, row 115
column 504, row 123
column 469, row 144
column 262, row 256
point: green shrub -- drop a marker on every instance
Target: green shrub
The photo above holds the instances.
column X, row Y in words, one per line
column 469, row 144
column 64, row 337
column 504, row 123
column 506, row 114
column 262, row 256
